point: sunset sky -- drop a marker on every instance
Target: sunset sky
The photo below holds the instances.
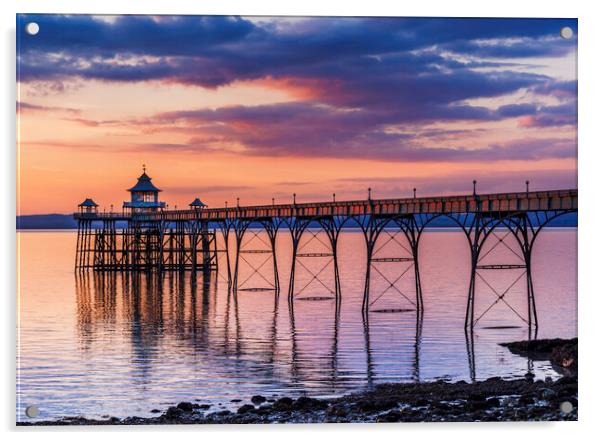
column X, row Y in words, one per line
column 258, row 107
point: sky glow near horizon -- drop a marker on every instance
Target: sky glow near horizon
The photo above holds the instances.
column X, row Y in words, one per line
column 226, row 107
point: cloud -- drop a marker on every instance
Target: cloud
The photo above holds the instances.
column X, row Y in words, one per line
column 552, row 116
column 370, row 86
column 307, row 129
column 212, row 51
column 28, row 107
column 558, row 89
column 513, row 110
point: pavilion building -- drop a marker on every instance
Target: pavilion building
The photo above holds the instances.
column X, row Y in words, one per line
column 144, row 196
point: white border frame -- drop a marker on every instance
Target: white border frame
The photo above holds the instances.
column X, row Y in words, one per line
column 590, row 35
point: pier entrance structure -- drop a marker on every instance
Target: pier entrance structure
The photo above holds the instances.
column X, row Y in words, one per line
column 146, row 236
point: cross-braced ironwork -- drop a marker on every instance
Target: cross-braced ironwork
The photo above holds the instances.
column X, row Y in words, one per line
column 256, row 251
column 316, row 248
column 381, row 233
column 184, row 245
column 225, row 227
column 500, row 227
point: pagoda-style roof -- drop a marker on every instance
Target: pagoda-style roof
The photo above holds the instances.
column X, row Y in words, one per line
column 144, row 184
column 197, row 203
column 88, row 202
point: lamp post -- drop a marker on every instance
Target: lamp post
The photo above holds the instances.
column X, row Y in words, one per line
column 294, row 198
column 334, row 197
column 527, row 185
column 474, row 187
column 414, row 192
column 369, row 193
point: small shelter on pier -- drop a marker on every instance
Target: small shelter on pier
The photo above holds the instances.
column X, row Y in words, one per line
column 196, row 204
column 144, row 196
column 88, row 206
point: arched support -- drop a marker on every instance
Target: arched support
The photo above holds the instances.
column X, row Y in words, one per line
column 331, row 225
column 524, row 227
column 296, row 227
column 271, row 227
column 256, row 246
column 413, row 231
column 373, row 227
column 478, row 230
column 225, row 227
column 240, row 226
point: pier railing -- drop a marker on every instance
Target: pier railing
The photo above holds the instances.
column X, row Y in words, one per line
column 499, row 202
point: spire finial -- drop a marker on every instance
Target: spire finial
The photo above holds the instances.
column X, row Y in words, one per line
column 144, row 168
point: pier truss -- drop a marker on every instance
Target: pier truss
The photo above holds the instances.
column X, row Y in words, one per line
column 392, row 256
column 255, row 249
column 500, row 229
column 502, row 241
column 314, row 251
column 161, row 245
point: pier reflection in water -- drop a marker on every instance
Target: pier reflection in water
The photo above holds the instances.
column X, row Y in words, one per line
column 185, row 308
column 125, row 343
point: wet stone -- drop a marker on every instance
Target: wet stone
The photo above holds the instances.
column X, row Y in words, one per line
column 493, row 402
column 185, row 406
column 525, row 400
column 245, row 409
column 258, row 399
column 283, row 404
column 477, row 397
column 546, row 393
column 307, row 403
column 337, row 411
column 173, row 412
column 376, row 405
column 390, row 417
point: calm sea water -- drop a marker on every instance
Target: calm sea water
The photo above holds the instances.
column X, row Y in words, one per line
column 121, row 345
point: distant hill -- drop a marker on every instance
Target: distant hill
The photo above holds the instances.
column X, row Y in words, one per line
column 46, row 221
column 66, row 221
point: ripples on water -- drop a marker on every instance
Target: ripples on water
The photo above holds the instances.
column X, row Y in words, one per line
column 122, row 344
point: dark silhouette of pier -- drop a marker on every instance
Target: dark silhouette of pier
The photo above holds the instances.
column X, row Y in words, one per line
column 158, row 239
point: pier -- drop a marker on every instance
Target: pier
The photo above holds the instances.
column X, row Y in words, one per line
column 147, row 236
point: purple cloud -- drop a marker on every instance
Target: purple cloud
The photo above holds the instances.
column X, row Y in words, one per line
column 373, row 83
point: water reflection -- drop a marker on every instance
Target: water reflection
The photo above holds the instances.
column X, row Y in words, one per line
column 178, row 305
